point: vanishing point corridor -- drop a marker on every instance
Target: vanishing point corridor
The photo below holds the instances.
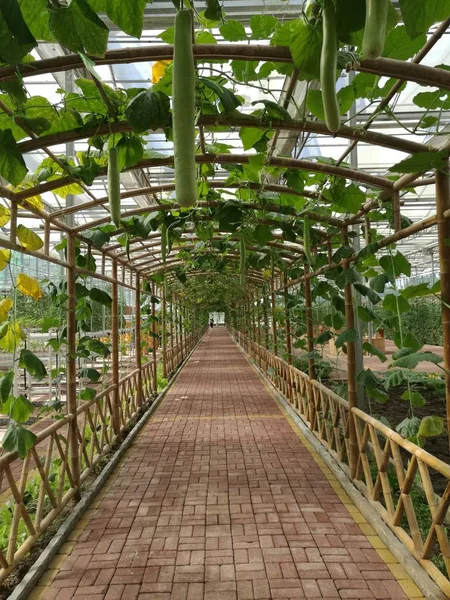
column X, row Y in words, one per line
column 221, row 498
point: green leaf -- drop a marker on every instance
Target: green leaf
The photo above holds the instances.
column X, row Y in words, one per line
column 412, row 360
column 262, row 234
column 233, row 31
column 365, row 314
column 228, row 99
column 32, row 364
column 88, row 393
column 100, row 296
column 371, row 349
column 6, row 383
column 396, row 265
column 400, row 46
column 12, row 165
column 213, row 10
column 378, row 395
column 345, row 97
column 28, row 239
column 396, row 304
column 274, row 110
column 349, row 335
column 431, row 426
column 18, row 439
column 263, row 26
column 148, row 110
column 16, row 40
column 37, row 15
column 130, row 152
column 167, row 36
column 306, row 48
column 419, row 16
column 98, row 347
column 128, row 16
column 92, row 374
column 379, row 282
column 368, row 379
column 334, row 320
column 98, row 237
column 19, row 409
column 367, row 292
column 251, row 136
column 408, row 427
column 416, row 399
column 78, row 28
column 421, row 161
column 324, row 337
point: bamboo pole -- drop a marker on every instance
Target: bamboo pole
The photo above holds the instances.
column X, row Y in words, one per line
column 287, row 321
column 13, row 223
column 71, row 366
column 274, row 322
column 154, row 343
column 115, row 350
column 309, row 324
column 266, row 321
column 163, row 328
column 137, row 339
column 443, row 227
column 172, row 340
column 351, row 374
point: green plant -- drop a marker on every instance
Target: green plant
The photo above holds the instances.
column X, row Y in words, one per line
column 322, row 366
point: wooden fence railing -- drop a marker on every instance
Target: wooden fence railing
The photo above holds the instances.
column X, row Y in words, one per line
column 394, row 474
column 35, row 490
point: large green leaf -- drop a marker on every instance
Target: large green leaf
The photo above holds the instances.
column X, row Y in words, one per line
column 37, row 15
column 418, row 16
column 431, row 426
column 306, row 48
column 128, row 16
column 130, row 151
column 421, row 161
column 396, row 265
column 233, row 31
column 92, row 374
column 148, row 110
column 345, row 97
column 366, row 291
column 19, row 409
column 378, row 395
column 412, row 360
column 12, row 165
column 32, row 364
column 349, row 335
column 251, row 136
column 16, row 40
column 229, row 100
column 371, row 349
column 78, row 28
column 18, row 439
column 400, row 46
column 396, row 304
column 416, row 398
column 100, row 296
column 263, row 26
column 6, row 383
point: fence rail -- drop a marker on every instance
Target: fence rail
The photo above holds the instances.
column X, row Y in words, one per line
column 391, row 472
column 37, row 488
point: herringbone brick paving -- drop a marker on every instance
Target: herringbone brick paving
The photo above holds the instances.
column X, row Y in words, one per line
column 219, row 499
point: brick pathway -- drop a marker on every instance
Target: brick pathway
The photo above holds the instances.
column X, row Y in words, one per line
column 220, row 499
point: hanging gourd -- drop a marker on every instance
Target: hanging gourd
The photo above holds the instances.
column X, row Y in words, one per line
column 183, row 111
column 375, row 28
column 328, row 67
column 114, row 186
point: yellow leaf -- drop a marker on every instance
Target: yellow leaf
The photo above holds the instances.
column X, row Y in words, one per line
column 12, row 337
column 5, row 215
column 29, row 286
column 5, row 257
column 27, row 184
column 28, row 238
column 159, row 70
column 5, row 306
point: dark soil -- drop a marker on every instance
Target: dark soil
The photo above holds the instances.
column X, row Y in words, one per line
column 396, row 409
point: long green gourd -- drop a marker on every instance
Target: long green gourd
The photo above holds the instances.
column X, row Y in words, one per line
column 307, row 240
column 114, row 186
column 328, row 67
column 375, row 28
column 183, row 111
column 242, row 261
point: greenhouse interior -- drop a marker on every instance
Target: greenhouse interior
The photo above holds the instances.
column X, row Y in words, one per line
column 224, row 299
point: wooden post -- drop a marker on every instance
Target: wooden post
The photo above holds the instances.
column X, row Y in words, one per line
column 181, row 325
column 443, row 227
column 177, row 337
column 266, row 320
column 351, row 373
column 163, row 328
column 137, row 338
column 115, row 348
column 287, row 321
column 154, row 344
column 13, row 222
column 71, row 365
column 309, row 322
column 47, row 237
column 274, row 322
column 172, row 341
